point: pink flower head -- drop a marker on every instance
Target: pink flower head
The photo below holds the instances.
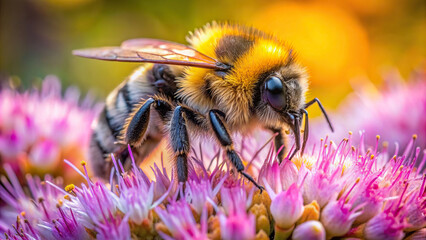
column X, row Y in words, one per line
column 162, row 181
column 235, row 222
column 130, row 200
column 234, row 196
column 181, row 223
column 95, row 200
column 39, row 128
column 64, row 227
column 369, row 196
column 114, row 228
column 202, row 188
column 322, row 183
column 416, row 208
column 279, row 176
column 390, row 223
column 44, row 154
column 94, row 204
column 40, row 205
column 384, row 226
column 395, row 111
column 320, row 187
column 131, row 184
column 287, row 206
column 40, row 216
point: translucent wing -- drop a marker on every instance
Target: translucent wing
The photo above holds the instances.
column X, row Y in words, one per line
column 154, row 51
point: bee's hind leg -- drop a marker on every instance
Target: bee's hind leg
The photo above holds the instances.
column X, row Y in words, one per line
column 226, row 141
column 137, row 124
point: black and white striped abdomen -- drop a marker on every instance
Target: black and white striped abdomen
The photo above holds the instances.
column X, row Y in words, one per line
column 109, row 125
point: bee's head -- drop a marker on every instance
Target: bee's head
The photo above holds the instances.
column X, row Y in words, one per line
column 281, row 95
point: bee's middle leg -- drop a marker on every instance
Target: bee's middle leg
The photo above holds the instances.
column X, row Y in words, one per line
column 225, row 140
column 179, row 139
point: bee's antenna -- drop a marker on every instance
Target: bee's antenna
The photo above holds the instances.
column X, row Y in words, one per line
column 316, row 100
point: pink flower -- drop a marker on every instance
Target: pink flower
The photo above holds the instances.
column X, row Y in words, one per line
column 384, row 226
column 416, row 209
column 44, row 154
column 279, row 176
column 395, row 111
column 64, row 227
column 41, row 215
column 337, row 218
column 235, row 222
column 390, row 223
column 181, row 223
column 370, row 199
column 335, row 190
column 130, row 201
column 287, row 206
column 234, row 197
column 39, row 128
column 115, row 227
column 322, row 183
column 320, row 187
column 202, row 188
column 40, row 204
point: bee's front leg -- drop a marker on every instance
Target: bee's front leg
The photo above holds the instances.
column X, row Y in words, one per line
column 279, row 142
column 225, row 140
column 306, row 130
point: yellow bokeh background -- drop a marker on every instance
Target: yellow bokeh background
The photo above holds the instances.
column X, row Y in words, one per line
column 339, row 42
column 331, row 44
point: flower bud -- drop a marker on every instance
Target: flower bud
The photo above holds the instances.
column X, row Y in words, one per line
column 287, row 207
column 337, row 218
column 384, row 226
column 310, row 230
column 416, row 216
column 371, row 207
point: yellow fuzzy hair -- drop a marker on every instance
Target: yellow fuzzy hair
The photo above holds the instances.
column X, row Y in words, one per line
column 235, row 92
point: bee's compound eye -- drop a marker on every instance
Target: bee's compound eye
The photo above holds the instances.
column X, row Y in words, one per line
column 275, row 93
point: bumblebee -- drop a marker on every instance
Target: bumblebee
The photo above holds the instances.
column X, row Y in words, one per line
column 231, row 78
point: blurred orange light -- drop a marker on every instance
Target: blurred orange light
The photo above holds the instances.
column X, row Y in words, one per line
column 331, row 43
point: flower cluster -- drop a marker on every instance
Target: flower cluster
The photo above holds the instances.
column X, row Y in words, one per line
column 395, row 111
column 349, row 189
column 335, row 190
column 40, row 128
